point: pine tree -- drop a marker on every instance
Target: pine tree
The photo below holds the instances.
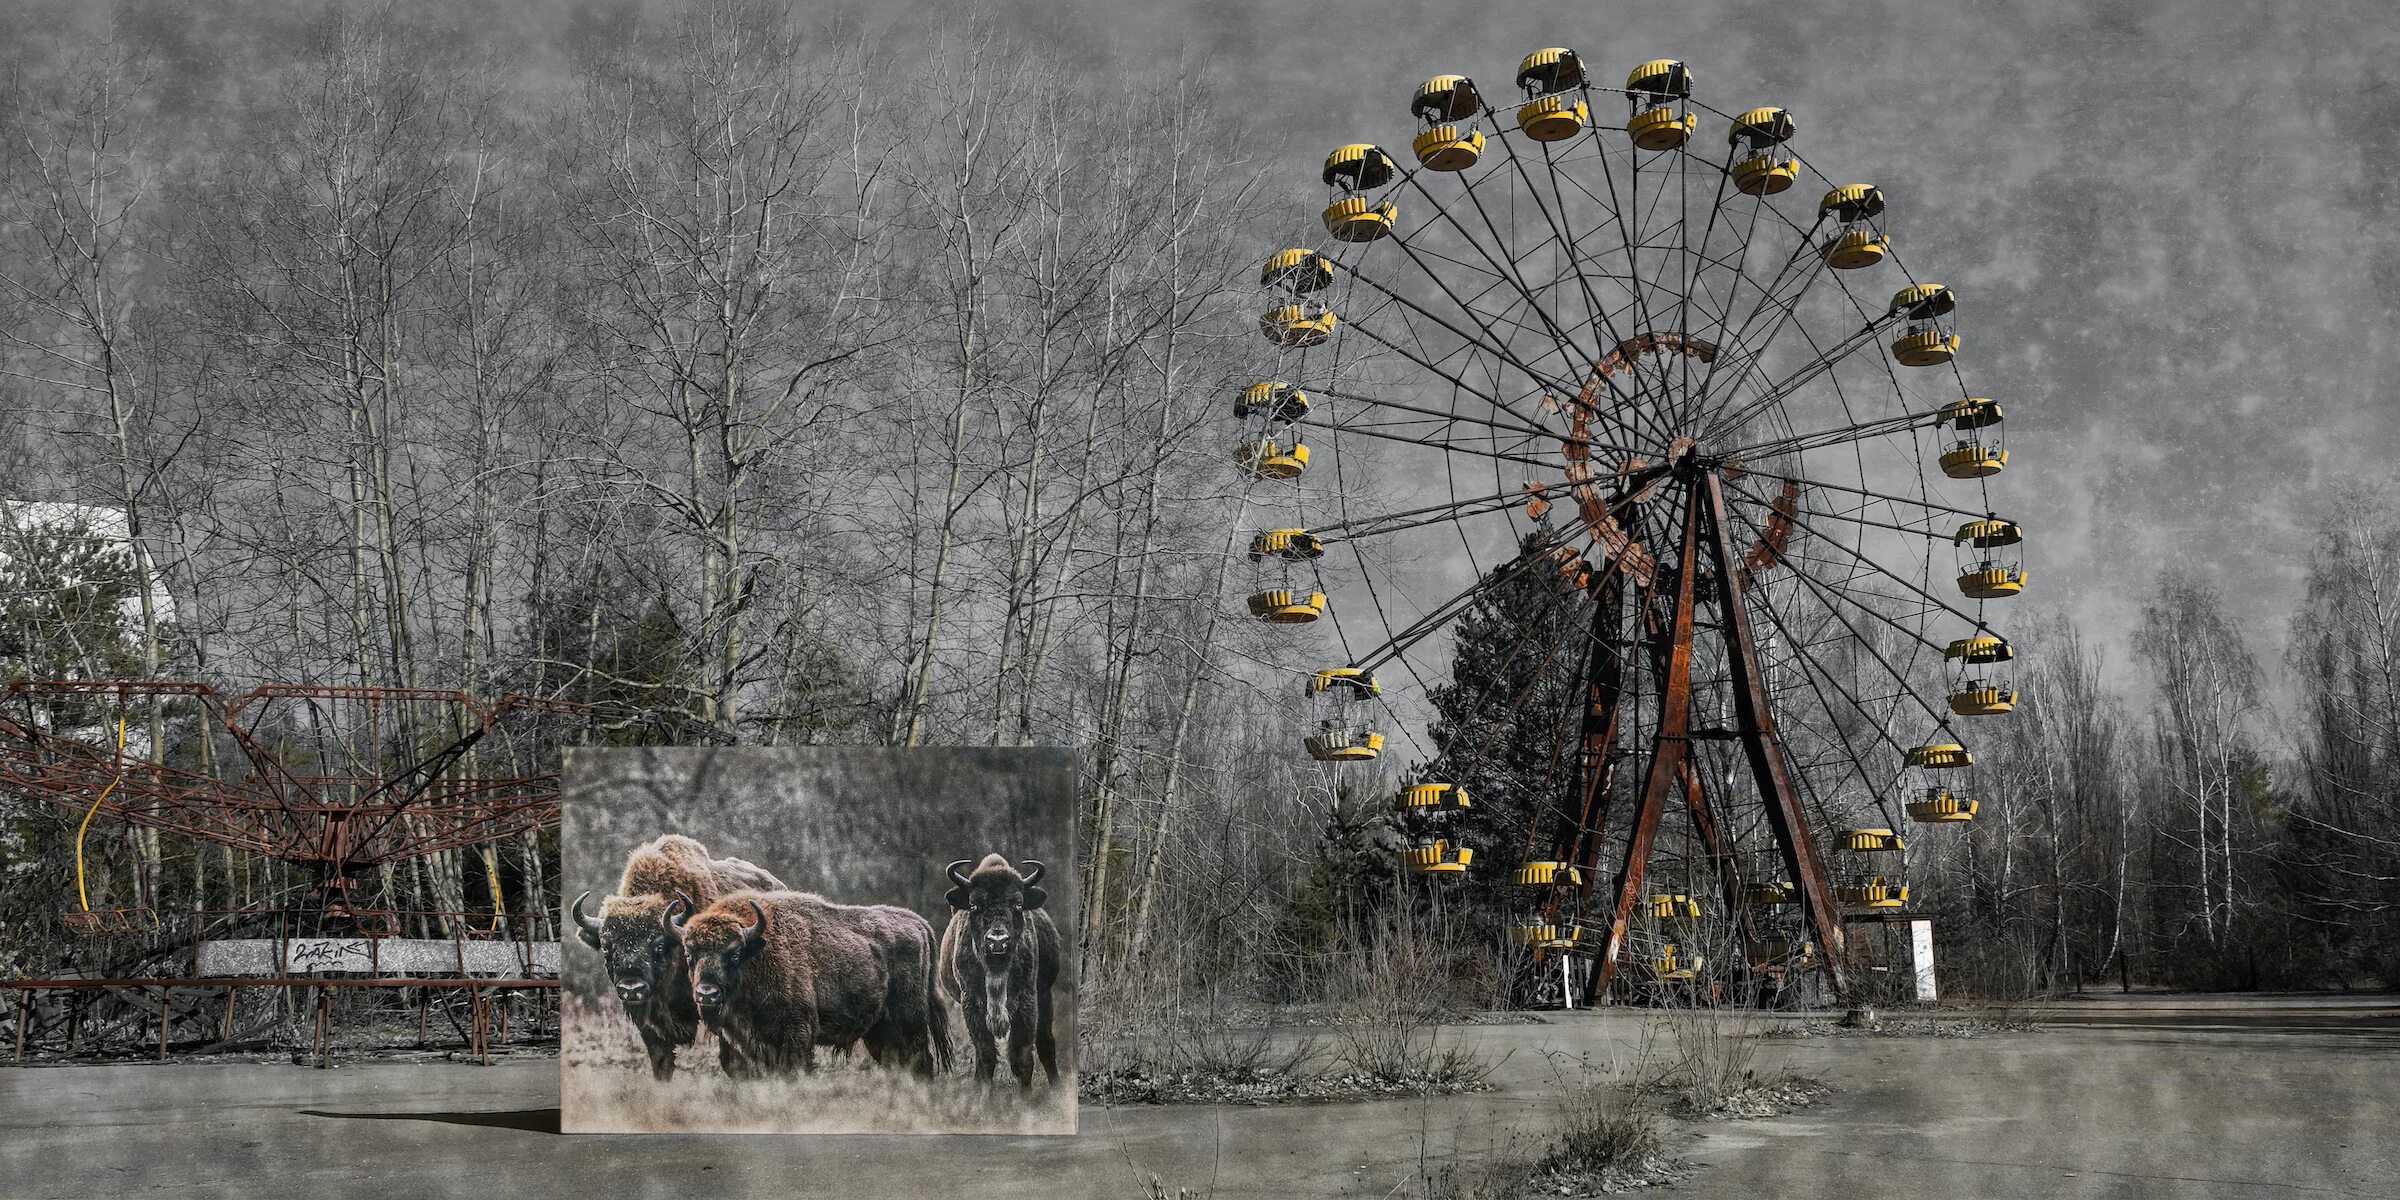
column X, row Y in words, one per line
column 1508, row 722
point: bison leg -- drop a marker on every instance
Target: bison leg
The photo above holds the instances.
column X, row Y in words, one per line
column 1045, row 1037
column 987, row 1055
column 662, row 1055
column 736, row 1064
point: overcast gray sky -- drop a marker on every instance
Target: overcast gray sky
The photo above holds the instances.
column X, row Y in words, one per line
column 2170, row 222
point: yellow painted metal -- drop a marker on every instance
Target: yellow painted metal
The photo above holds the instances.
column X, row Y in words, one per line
column 1762, row 127
column 1434, row 797
column 1439, row 856
column 1973, row 460
column 1937, row 806
column 1660, row 128
column 1298, row 270
column 1873, row 891
column 1446, row 98
column 1661, row 77
column 1359, row 167
column 1295, row 545
column 1549, row 70
column 1345, row 682
column 1271, row 458
column 1870, row 841
column 1299, row 325
column 1278, row 400
column 1925, row 348
column 1764, row 175
column 1983, row 701
column 1938, row 756
column 1532, row 933
column 1853, row 202
column 1989, row 533
column 1552, row 118
column 1356, row 219
column 1286, row 606
column 1675, row 908
column 1924, row 301
column 1855, row 248
column 1447, row 148
column 1344, row 745
column 1771, row 892
column 1974, row 412
column 1981, row 648
column 1546, row 874
column 1992, row 582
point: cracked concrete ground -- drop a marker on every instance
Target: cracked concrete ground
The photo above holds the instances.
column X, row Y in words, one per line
column 2143, row 1096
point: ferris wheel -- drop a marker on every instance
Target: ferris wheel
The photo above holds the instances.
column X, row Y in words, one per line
column 1598, row 339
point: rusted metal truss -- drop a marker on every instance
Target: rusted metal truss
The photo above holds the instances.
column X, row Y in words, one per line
column 338, row 823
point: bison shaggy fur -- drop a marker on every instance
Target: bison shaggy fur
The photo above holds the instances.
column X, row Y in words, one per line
column 632, row 933
column 1000, row 963
column 775, row 974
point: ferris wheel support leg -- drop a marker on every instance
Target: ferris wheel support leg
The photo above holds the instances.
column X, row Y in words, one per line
column 1670, row 750
column 1765, row 751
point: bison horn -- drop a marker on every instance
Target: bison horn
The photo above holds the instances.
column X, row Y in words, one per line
column 679, row 910
column 754, row 933
column 589, row 925
column 1033, row 876
column 957, row 876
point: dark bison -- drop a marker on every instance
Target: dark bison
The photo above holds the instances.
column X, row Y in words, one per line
column 776, row 974
column 644, row 958
column 1000, row 959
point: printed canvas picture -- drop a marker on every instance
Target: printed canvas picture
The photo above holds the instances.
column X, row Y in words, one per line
column 819, row 940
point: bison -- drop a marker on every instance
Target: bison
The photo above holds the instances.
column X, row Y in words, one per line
column 775, row 974
column 644, row 958
column 1000, row 960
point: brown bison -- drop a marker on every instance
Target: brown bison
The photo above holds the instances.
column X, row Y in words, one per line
column 1000, row 960
column 644, row 958
column 776, row 974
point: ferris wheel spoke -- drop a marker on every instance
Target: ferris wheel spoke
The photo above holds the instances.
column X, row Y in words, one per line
column 1912, row 501
column 1899, row 677
column 1583, row 277
column 1810, row 672
column 1776, row 393
column 1447, row 447
column 1505, row 267
column 1353, row 529
column 1447, row 611
column 1878, row 568
column 1419, row 358
column 1826, row 439
column 1530, row 431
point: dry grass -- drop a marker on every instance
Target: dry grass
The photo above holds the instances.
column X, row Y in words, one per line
column 607, row 1088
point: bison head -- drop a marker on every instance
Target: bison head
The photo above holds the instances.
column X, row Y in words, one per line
column 635, row 936
column 718, row 943
column 995, row 898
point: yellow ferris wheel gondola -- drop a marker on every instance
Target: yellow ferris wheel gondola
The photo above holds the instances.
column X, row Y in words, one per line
column 1989, row 576
column 1940, row 806
column 1439, row 857
column 1351, row 171
column 1444, row 104
column 1433, row 798
column 1553, row 110
column 1758, row 137
column 1546, row 873
column 1342, row 733
column 1926, row 338
column 1972, row 456
column 1856, row 210
column 1658, row 91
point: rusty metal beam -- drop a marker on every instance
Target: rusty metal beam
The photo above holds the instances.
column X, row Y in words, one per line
column 1669, row 748
column 1754, row 718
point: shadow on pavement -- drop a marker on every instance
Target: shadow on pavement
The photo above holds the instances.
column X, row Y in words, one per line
column 530, row 1120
